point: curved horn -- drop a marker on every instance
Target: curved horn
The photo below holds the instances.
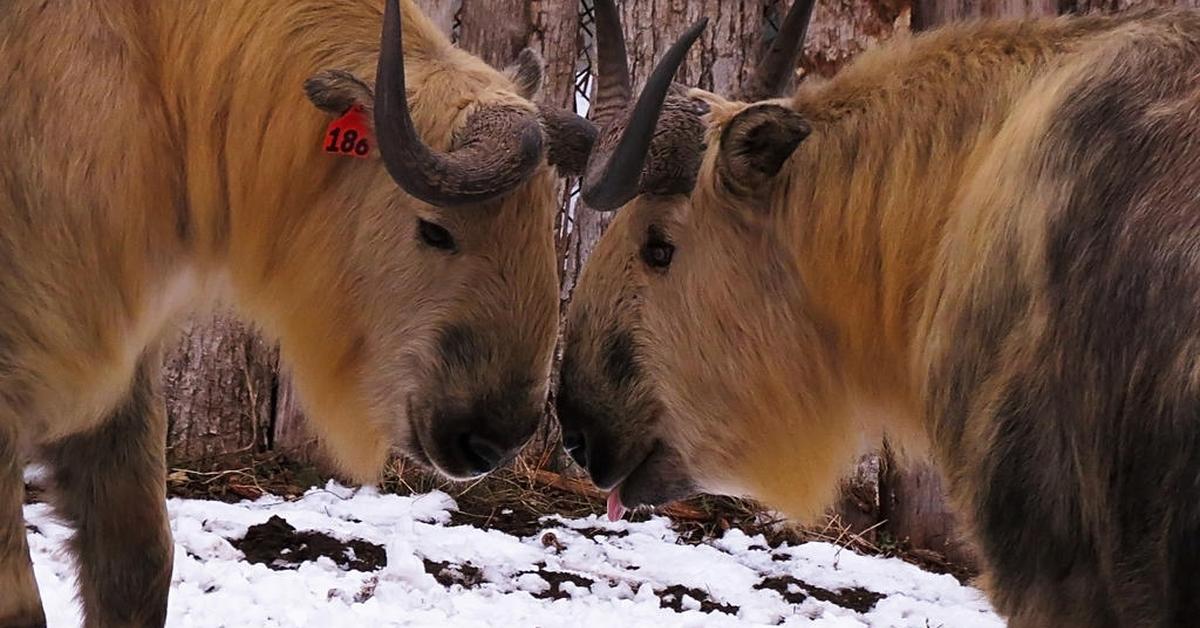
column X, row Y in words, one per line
column 772, row 73
column 614, row 88
column 500, row 146
column 612, row 177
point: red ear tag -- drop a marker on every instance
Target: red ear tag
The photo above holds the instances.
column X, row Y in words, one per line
column 349, row 135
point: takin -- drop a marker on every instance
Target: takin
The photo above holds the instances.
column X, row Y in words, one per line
column 165, row 159
column 982, row 242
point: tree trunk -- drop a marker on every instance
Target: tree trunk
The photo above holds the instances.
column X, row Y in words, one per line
column 442, row 12
column 496, row 30
column 291, row 434
column 841, row 29
column 1116, row 6
column 220, row 391
column 931, row 13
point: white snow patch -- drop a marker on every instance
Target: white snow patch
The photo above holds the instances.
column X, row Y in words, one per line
column 628, row 566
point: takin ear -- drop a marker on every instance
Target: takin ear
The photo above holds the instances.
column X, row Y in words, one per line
column 526, row 73
column 335, row 91
column 755, row 144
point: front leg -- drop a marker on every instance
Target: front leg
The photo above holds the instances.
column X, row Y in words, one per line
column 110, row 485
column 20, row 606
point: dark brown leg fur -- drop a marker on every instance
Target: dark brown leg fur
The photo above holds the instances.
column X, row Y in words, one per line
column 111, row 486
column 20, row 605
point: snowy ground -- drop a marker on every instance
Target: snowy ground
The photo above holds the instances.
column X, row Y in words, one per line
column 574, row 573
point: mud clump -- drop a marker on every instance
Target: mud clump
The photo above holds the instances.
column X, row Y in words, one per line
column 672, row 598
column 279, row 546
column 795, row 591
column 556, row 580
column 449, row 574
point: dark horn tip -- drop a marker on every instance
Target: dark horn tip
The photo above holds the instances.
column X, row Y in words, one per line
column 603, row 201
column 613, row 182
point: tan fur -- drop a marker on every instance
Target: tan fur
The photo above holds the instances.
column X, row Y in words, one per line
column 904, row 253
column 859, row 291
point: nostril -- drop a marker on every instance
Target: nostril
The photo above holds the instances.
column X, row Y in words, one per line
column 576, row 446
column 481, row 454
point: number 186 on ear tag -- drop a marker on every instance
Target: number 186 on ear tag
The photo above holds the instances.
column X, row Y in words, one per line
column 349, row 135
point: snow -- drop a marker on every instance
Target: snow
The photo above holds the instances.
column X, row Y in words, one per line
column 629, row 566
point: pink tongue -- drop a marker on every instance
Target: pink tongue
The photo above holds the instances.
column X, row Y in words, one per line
column 616, row 509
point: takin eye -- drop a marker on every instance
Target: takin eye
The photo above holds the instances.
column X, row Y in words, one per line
column 435, row 236
column 657, row 252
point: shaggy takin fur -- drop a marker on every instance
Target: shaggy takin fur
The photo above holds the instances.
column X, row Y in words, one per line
column 984, row 242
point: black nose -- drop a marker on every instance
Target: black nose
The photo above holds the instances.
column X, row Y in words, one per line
column 481, row 453
column 575, row 443
column 596, row 452
column 587, row 440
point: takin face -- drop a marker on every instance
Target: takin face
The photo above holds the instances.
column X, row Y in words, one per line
column 451, row 288
column 671, row 382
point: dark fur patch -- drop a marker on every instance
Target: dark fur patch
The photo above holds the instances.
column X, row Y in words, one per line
column 109, row 485
column 620, row 359
column 460, row 348
column 1088, row 504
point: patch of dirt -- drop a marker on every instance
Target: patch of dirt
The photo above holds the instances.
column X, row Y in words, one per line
column 934, row 562
column 514, row 520
column 556, row 580
column 782, row 586
column 278, row 545
column 594, row 533
column 245, row 476
column 449, row 574
column 857, row 599
column 672, row 598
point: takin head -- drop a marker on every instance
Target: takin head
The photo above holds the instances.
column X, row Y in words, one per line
column 441, row 326
column 669, row 384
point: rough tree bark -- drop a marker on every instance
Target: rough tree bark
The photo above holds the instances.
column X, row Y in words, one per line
column 442, row 12
column 930, row 13
column 220, row 391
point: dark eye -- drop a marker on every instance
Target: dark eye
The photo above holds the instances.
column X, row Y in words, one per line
column 657, row 252
column 435, row 235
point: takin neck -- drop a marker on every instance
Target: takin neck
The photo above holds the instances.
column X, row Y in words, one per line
column 896, row 137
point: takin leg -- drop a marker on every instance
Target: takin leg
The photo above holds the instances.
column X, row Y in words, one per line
column 20, row 605
column 110, row 484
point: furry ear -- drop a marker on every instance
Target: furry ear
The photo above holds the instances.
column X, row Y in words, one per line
column 526, row 73
column 755, row 144
column 335, row 91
